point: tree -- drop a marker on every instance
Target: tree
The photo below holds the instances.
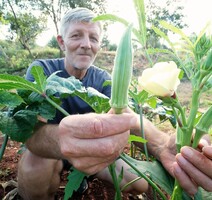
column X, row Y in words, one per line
column 97, row 5
column 55, row 8
column 23, row 25
column 171, row 13
column 53, row 43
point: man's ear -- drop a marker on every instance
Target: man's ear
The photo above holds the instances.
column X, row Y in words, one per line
column 60, row 42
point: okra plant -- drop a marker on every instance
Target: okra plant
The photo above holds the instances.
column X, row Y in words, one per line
column 194, row 59
column 22, row 101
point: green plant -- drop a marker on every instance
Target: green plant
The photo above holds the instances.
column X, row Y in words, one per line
column 194, row 59
column 195, row 62
column 24, row 101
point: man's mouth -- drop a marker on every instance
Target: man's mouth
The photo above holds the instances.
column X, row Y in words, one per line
column 84, row 54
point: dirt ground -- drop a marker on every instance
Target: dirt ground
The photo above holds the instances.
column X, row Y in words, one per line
column 97, row 189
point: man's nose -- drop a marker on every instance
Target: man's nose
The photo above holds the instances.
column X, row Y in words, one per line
column 85, row 43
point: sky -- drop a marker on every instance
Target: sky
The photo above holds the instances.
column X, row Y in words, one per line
column 198, row 13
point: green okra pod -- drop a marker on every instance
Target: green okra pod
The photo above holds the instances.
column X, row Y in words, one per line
column 122, row 72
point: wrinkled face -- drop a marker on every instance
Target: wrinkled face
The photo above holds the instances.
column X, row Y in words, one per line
column 81, row 44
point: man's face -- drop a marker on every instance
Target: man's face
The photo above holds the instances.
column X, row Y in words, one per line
column 81, row 44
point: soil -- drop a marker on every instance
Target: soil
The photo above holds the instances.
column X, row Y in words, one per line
column 97, row 189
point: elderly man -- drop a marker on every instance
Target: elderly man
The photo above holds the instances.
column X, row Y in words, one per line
column 89, row 141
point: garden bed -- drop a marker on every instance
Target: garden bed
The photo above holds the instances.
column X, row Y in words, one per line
column 97, row 189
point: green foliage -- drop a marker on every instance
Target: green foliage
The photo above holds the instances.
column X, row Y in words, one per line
column 31, row 98
column 53, row 43
column 98, row 6
column 13, row 59
column 75, row 178
column 25, row 26
column 46, row 53
column 10, row 99
column 72, row 86
column 20, row 126
column 156, row 12
column 156, row 172
column 134, row 138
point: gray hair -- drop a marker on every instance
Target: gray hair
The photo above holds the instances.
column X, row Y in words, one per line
column 76, row 15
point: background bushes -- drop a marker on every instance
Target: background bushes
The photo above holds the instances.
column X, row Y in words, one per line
column 14, row 60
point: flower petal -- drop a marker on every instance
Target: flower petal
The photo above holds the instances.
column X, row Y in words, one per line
column 161, row 79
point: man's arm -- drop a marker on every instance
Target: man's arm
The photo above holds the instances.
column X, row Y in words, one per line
column 45, row 141
column 90, row 142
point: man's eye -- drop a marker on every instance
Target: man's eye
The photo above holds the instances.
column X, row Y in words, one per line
column 94, row 39
column 75, row 36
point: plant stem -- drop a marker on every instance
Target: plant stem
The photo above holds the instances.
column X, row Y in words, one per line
column 129, row 183
column 57, row 106
column 112, row 170
column 142, row 132
column 123, row 157
column 6, row 137
column 186, row 140
column 197, row 137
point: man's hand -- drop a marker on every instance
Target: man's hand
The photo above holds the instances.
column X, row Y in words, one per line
column 192, row 168
column 93, row 141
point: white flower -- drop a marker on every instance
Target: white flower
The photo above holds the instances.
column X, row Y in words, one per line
column 160, row 80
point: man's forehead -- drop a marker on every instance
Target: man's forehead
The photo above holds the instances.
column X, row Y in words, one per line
column 91, row 26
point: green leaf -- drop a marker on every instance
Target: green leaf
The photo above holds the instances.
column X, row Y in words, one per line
column 204, row 194
column 164, row 36
column 72, row 86
column 98, row 101
column 156, row 172
column 121, row 20
column 202, row 32
column 152, row 101
column 140, row 97
column 9, row 82
column 10, row 99
column 134, row 138
column 39, row 77
column 177, row 31
column 56, row 84
column 44, row 109
column 75, row 178
column 20, row 126
column 140, row 10
column 106, row 83
column 111, row 17
column 208, row 85
column 205, row 121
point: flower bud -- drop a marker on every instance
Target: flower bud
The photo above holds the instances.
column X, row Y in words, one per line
column 160, row 80
column 207, row 65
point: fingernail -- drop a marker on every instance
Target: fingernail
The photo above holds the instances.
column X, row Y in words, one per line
column 181, row 160
column 207, row 151
column 177, row 169
column 187, row 151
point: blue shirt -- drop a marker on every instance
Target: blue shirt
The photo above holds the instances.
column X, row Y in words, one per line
column 95, row 77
